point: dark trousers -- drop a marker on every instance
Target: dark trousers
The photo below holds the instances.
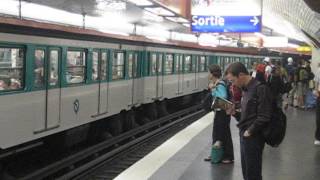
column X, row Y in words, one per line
column 221, row 132
column 251, row 156
column 317, row 134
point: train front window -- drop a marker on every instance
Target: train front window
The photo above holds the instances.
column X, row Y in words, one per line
column 76, row 67
column 169, row 64
column 11, row 68
column 118, row 66
column 38, row 68
column 53, row 69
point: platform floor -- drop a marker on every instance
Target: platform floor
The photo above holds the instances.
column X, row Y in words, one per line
column 181, row 157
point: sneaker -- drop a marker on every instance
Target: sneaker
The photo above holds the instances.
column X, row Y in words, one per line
column 317, row 142
column 207, row 158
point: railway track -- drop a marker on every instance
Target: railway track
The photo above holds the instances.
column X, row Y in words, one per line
column 107, row 159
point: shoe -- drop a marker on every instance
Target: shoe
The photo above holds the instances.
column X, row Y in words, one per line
column 227, row 161
column 207, row 158
column 317, row 142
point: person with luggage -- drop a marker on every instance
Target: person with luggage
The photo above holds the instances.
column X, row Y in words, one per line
column 256, row 112
column 302, row 81
column 221, row 134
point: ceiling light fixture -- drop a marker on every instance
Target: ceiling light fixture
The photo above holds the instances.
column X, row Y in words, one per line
column 177, row 19
column 186, row 24
column 141, row 2
column 160, row 11
column 152, row 17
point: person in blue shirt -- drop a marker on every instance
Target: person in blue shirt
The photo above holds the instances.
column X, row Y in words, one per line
column 221, row 126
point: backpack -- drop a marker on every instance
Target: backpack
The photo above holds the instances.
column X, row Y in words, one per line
column 275, row 130
column 227, row 85
column 261, row 68
column 303, row 75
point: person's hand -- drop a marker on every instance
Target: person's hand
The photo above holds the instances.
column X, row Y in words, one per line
column 246, row 134
column 316, row 93
column 210, row 85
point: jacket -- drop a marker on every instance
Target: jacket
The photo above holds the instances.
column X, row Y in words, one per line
column 256, row 107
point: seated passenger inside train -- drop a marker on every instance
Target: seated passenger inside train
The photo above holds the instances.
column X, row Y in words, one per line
column 3, row 85
column 14, row 84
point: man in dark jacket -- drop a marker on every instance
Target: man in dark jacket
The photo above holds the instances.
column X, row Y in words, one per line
column 255, row 114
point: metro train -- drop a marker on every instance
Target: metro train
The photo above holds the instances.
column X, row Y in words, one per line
column 55, row 85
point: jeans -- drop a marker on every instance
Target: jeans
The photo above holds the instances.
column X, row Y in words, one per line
column 251, row 156
column 221, row 132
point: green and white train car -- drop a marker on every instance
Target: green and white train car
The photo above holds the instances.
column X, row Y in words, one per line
column 51, row 84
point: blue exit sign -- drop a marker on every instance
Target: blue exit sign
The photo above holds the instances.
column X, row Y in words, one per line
column 235, row 24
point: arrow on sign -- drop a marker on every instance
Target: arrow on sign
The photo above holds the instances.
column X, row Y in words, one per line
column 255, row 20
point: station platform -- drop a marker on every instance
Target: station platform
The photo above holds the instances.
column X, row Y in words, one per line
column 181, row 157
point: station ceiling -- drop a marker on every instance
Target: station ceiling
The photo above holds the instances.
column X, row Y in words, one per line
column 302, row 14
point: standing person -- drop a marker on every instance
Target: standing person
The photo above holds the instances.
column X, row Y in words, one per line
column 291, row 69
column 303, row 78
column 256, row 109
column 221, row 125
column 317, row 92
column 269, row 67
column 253, row 71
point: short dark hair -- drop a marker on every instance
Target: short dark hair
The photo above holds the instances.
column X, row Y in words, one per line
column 236, row 68
column 215, row 70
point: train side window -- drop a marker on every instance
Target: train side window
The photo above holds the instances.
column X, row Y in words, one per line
column 206, row 64
column 104, row 66
column 130, row 65
column 153, row 64
column 187, row 64
column 169, row 64
column 38, row 68
column 118, row 66
column 95, row 65
column 133, row 65
column 160, row 63
column 178, row 64
column 194, row 64
column 76, row 67
column 202, row 64
column 181, row 64
column 11, row 68
column 135, row 69
column 53, row 69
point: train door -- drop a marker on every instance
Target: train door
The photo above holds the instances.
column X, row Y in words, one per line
column 132, row 58
column 179, row 72
column 151, row 83
column 195, row 68
column 100, row 75
column 46, row 79
column 160, row 76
